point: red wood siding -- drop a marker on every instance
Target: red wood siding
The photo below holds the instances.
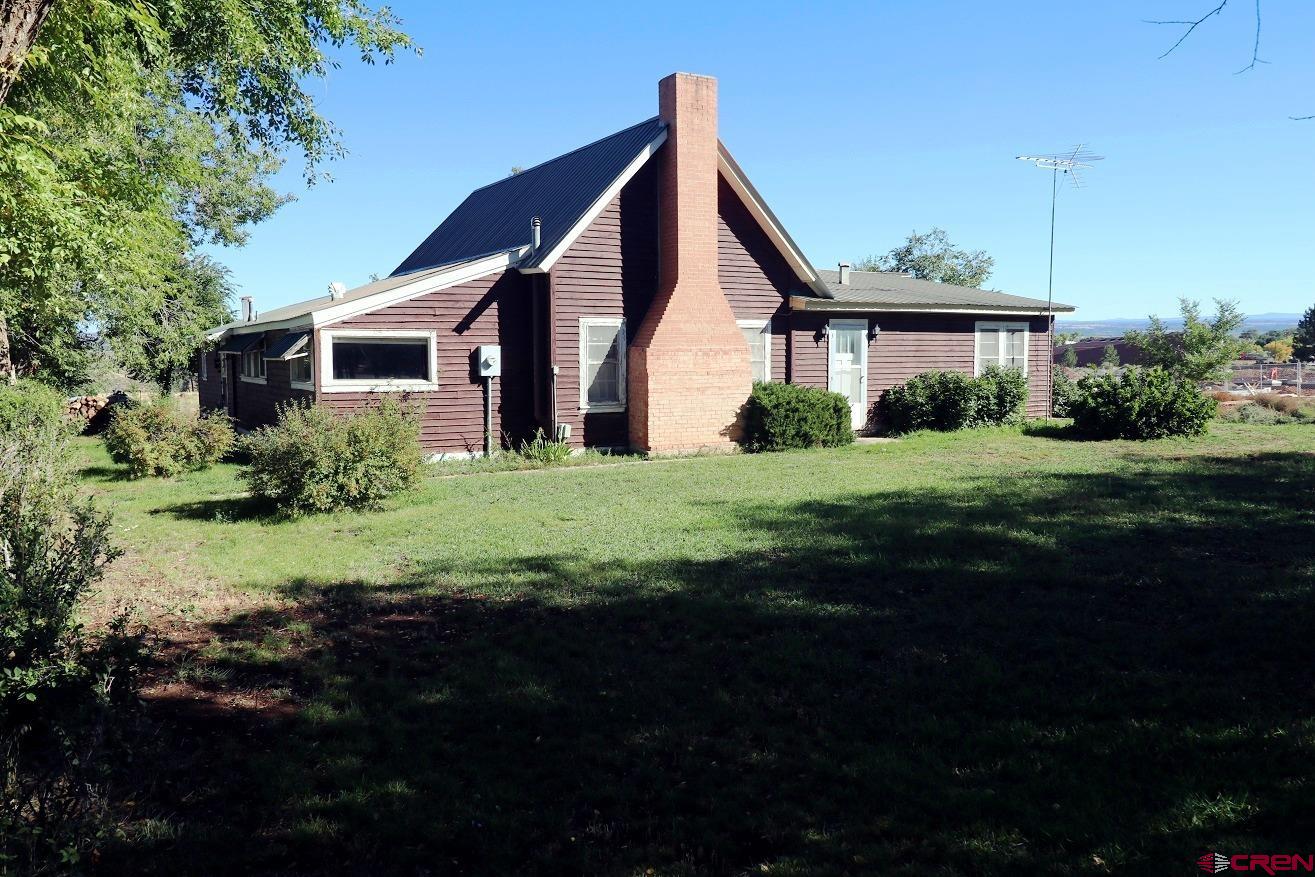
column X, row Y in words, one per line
column 754, row 275
column 609, row 271
column 908, row 344
column 464, row 316
column 254, row 404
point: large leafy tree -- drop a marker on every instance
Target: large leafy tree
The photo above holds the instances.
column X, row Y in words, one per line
column 932, row 256
column 1204, row 347
column 135, row 132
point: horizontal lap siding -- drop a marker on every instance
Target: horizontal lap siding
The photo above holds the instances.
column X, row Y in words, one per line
column 255, row 404
column 464, row 316
column 908, row 344
column 609, row 271
column 752, row 273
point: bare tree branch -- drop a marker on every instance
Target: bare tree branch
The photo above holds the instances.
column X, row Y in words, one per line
column 1191, row 25
column 1255, row 48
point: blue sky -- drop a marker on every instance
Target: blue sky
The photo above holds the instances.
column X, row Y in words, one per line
column 859, row 123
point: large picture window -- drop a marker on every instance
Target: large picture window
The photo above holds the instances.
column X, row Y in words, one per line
column 602, row 363
column 385, row 359
column 758, row 335
column 1002, row 344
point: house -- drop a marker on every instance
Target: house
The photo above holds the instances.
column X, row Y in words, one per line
column 635, row 288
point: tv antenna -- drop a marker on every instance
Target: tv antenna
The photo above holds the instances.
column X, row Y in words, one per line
column 1069, row 164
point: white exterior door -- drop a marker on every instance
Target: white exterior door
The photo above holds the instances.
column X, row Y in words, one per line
column 847, row 370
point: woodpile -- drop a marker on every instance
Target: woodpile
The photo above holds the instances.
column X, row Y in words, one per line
column 86, row 407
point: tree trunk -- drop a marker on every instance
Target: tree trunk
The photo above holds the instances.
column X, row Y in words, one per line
column 20, row 22
column 6, row 359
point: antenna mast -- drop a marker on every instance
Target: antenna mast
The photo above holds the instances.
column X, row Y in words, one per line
column 1068, row 163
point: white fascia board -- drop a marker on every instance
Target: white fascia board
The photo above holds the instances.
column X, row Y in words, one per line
column 777, row 235
column 599, row 205
column 431, row 283
column 803, row 303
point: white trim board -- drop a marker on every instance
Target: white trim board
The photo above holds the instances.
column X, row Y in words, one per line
column 600, row 204
column 804, row 303
column 622, row 354
column 329, row 384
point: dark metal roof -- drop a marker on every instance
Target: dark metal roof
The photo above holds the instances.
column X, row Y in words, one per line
column 904, row 292
column 240, row 343
column 287, row 346
column 497, row 217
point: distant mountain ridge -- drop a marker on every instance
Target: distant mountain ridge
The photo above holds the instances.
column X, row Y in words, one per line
column 1110, row 328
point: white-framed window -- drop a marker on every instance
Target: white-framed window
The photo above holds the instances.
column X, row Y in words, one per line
column 253, row 365
column 205, row 365
column 758, row 335
column 602, row 363
column 300, row 372
column 378, row 360
column 1002, row 344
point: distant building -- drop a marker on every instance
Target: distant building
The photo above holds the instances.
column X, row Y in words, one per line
column 1091, row 351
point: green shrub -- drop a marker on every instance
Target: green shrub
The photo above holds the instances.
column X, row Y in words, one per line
column 29, row 404
column 1142, row 403
column 1062, row 391
column 314, row 460
column 543, row 452
column 782, row 416
column 950, row 400
column 1001, row 396
column 157, row 438
column 61, row 694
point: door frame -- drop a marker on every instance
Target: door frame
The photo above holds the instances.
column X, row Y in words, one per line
column 859, row 411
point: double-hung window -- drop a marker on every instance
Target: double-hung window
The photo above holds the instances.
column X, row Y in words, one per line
column 299, row 372
column 758, row 335
column 602, row 363
column 1002, row 344
column 253, row 364
column 375, row 360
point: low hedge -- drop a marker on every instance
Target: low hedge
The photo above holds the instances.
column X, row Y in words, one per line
column 950, row 400
column 315, row 460
column 1141, row 403
column 783, row 416
column 156, row 438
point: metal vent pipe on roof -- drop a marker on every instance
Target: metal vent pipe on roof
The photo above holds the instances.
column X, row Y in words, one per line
column 337, row 290
column 536, row 233
column 844, row 273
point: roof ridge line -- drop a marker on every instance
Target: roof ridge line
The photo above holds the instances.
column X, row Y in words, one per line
column 555, row 158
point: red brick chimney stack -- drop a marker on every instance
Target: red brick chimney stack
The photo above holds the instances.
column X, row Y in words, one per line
column 689, row 371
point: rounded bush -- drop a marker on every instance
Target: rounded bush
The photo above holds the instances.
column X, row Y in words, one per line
column 950, row 400
column 157, row 439
column 783, row 416
column 314, row 460
column 1141, row 403
column 30, row 404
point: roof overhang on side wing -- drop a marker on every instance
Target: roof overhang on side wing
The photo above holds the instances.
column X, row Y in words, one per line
column 808, row 303
column 322, row 311
column 237, row 345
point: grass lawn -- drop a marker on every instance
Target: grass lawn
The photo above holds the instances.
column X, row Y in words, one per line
column 987, row 653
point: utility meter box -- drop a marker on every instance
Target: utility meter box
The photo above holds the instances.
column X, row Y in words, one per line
column 488, row 360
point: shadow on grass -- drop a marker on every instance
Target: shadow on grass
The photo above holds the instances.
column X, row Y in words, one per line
column 235, row 508
column 1051, row 674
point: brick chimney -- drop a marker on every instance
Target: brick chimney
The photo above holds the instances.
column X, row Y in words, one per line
column 688, row 365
